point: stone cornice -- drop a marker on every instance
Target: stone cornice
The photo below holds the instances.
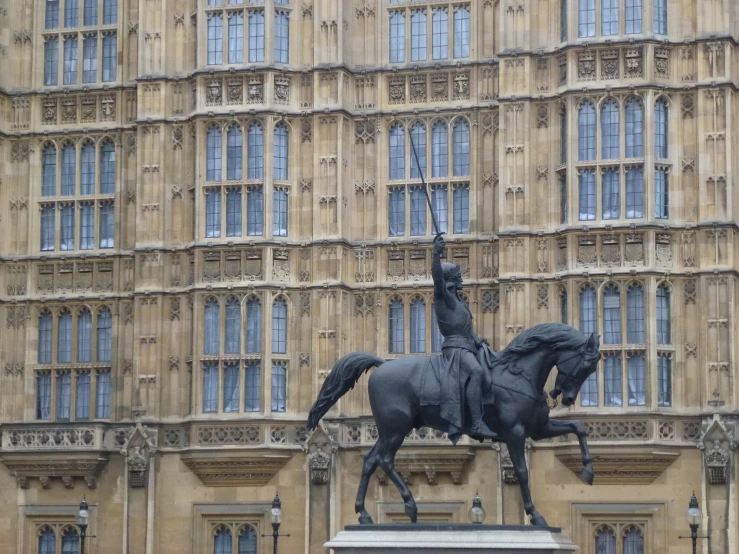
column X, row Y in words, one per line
column 639, row 465
column 219, row 468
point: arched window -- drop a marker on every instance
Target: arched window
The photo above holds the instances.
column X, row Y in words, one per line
column 212, row 325
column 64, row 338
column 609, row 130
column 605, row 541
column 397, row 152
column 82, row 396
column 612, row 315
column 586, row 132
column 461, row 31
column 461, row 148
column 279, row 386
column 107, row 168
column 660, row 129
column 418, row 326
column 233, row 326
column 45, row 324
column 418, row 35
column 63, row 395
column 633, row 541
column 215, row 38
column 87, row 170
column 84, row 336
column 255, row 148
column 69, row 170
column 439, row 150
column 233, row 153
column 440, row 33
column 222, row 542
column 70, row 542
column 418, row 136
column 282, row 36
column 46, row 538
column 663, row 315
column 589, row 390
column 436, row 337
column 253, row 326
column 105, row 335
column 396, row 327
column 48, row 171
column 634, row 127
column 247, row 541
column 279, row 165
column 213, row 171
column 279, row 327
column 635, row 314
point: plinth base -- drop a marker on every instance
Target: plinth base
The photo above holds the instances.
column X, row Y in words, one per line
column 408, row 538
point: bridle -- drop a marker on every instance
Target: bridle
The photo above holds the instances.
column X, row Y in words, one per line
column 568, row 375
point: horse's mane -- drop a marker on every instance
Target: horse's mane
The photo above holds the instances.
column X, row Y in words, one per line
column 556, row 336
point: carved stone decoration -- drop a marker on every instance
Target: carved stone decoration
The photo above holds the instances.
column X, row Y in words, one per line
column 417, row 265
column 305, row 304
column 255, row 90
column 542, row 116
column 282, row 90
column 321, row 448
column 418, row 89
column 281, row 266
column 542, row 297
column 306, row 130
column 690, row 291
column 49, row 111
column 506, row 466
column 439, row 87
column 88, row 109
column 663, row 249
column 461, row 85
column 586, row 66
column 396, row 265
column 718, row 438
column 633, row 62
column 587, row 251
column 253, row 269
column 562, row 63
column 14, row 369
column 634, row 251
column 174, row 309
column 396, row 89
column 364, row 132
column 687, row 104
column 490, row 301
column 177, row 137
column 687, row 246
column 609, row 64
column 20, row 150
column 69, row 109
column 235, row 91
column 214, row 93
column 662, row 62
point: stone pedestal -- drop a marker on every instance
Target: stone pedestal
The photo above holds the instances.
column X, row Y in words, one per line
column 407, row 538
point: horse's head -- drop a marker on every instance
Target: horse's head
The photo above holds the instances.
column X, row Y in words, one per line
column 574, row 366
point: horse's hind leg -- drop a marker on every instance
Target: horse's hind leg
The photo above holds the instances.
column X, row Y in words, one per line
column 371, row 461
column 516, row 442
column 388, row 449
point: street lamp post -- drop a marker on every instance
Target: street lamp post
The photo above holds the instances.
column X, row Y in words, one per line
column 276, row 517
column 477, row 512
column 83, row 517
column 694, row 516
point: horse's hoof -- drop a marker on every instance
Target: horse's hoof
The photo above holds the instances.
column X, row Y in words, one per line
column 365, row 520
column 538, row 521
column 587, row 475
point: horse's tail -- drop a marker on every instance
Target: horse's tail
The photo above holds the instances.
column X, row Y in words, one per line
column 341, row 380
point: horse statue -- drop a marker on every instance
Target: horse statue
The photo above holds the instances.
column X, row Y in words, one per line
column 404, row 395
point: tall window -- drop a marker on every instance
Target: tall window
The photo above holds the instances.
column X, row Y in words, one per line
column 611, row 200
column 253, row 326
column 664, row 380
column 664, row 332
column 48, row 171
column 87, row 171
column 280, row 153
column 279, row 386
column 661, row 194
column 233, row 213
column 396, row 327
column 418, row 211
column 637, row 380
column 231, row 389
column 70, row 60
column 563, row 198
column 440, row 33
column 233, row 153
column 589, row 390
column 462, row 32
column 586, row 132
column 52, row 14
column 605, row 541
column 210, row 387
column 213, row 169
column 282, row 34
column 609, row 17
column 110, row 12
column 396, row 209
column 634, row 124
column 107, row 168
column 43, row 397
column 609, row 130
column 279, row 205
column 660, row 129
column 440, row 201
column 247, row 541
column 279, row 327
column 91, row 13
column 439, row 150
column 418, row 35
column 215, row 38
column 563, row 20
column 635, row 314
column 254, row 212
column 660, row 17
column 213, row 213
column 256, row 35
column 397, row 37
column 397, row 152
column 71, row 13
column 87, row 226
column 110, row 57
column 64, row 338
column 563, row 136
column 107, row 225
column 586, row 17
column 47, row 228
column 89, row 59
column 63, row 395
column 70, row 542
column 461, row 148
column 69, row 169
column 253, row 387
column 633, row 16
column 613, row 387
column 235, row 38
column 102, row 395
column 105, row 336
column 255, row 148
column 84, row 336
column 212, row 326
column 66, row 240
column 634, row 192
column 462, row 209
column 51, row 61
column 612, row 315
column 233, row 327
column 418, row 326
column 418, row 136
column 587, row 194
column 222, row 543
column 46, row 542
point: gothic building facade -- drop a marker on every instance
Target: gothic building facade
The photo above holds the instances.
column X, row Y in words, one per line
column 206, row 203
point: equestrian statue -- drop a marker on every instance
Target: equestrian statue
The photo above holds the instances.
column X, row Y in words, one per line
column 467, row 389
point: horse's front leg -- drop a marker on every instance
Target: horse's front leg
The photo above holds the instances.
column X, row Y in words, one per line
column 517, row 449
column 558, row 428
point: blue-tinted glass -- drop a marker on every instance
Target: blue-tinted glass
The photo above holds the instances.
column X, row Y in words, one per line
column 69, row 170
column 43, row 397
column 634, row 125
column 587, row 195
column 110, row 12
column 660, row 129
column 102, row 395
column 63, row 396
column 279, row 386
column 418, row 326
column 213, row 213
column 256, row 152
column 70, row 539
column 215, row 38
column 47, row 540
column 611, row 315
column 105, row 336
column 233, row 327
column 664, row 380
column 586, row 132
column 256, row 36
column 461, row 148
column 222, row 542
column 397, row 212
column 280, row 153
column 70, row 60
column 563, row 20
column 612, row 375
column 609, row 130
column 52, row 14
column 397, row 37
column 71, row 13
column 254, row 212
column 253, row 387
column 87, row 169
column 233, row 213
column 418, row 35
column 107, row 168
column 440, row 203
column 634, row 192
column 89, row 59
column 66, row 238
column 84, row 337
column 462, row 209
column 586, row 18
column 633, row 16
column 660, row 17
column 282, row 37
column 279, row 327
column 48, row 171
column 235, row 37
column 418, row 136
column 609, row 17
column 91, row 13
column 635, row 315
column 440, row 33
column 231, row 388
column 611, row 200
column 212, row 328
column 210, row 388
column 637, row 380
column 661, row 194
column 663, row 316
column 396, row 327
column 64, row 338
column 253, row 326
column 439, row 150
column 418, row 211
column 51, row 61
column 461, row 31
column 87, row 226
column 110, row 58
column 48, row 222
column 213, row 169
column 233, row 153
column 397, row 152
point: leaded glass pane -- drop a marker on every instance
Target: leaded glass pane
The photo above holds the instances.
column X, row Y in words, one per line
column 210, row 388
column 107, row 168
column 45, row 323
column 48, row 171
column 231, row 388
column 418, row 326
column 663, row 316
column 396, row 327
column 461, row 31
column 280, row 213
column 43, row 396
column 609, row 130
column 51, row 61
column 611, row 200
column 279, row 386
column 661, row 194
column 418, row 35
column 213, row 169
column 637, row 380
column 48, row 222
column 634, row 128
column 253, row 384
column 247, row 541
column 66, row 238
column 611, row 315
column 213, row 213
column 635, row 314
column 110, row 12
column 84, row 337
column 110, row 58
column 233, row 213
column 439, row 150
column 70, row 539
column 256, row 36
column 587, row 195
column 82, row 397
column 47, row 540
column 440, row 33
column 253, row 326
column 664, row 380
column 279, row 327
column 69, row 170
column 255, row 152
column 397, row 37
column 70, row 60
column 586, row 132
column 612, row 380
column 52, row 15
column 280, row 153
column 105, row 336
column 397, row 212
column 222, row 541
column 633, row 16
column 87, row 226
column 440, row 203
column 586, row 18
column 462, row 209
column 254, row 212
column 461, row 148
column 418, row 136
column 215, row 38
column 605, row 542
column 87, row 169
column 634, row 192
column 235, row 37
column 282, row 37
column 212, row 326
column 609, row 17
column 418, row 211
column 90, row 13
column 660, row 23
column 233, row 153
column 64, row 338
column 63, row 396
column 233, row 327
column 397, row 152
column 660, row 129
column 89, row 59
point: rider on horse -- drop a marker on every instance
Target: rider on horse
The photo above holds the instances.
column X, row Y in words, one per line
column 463, row 352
